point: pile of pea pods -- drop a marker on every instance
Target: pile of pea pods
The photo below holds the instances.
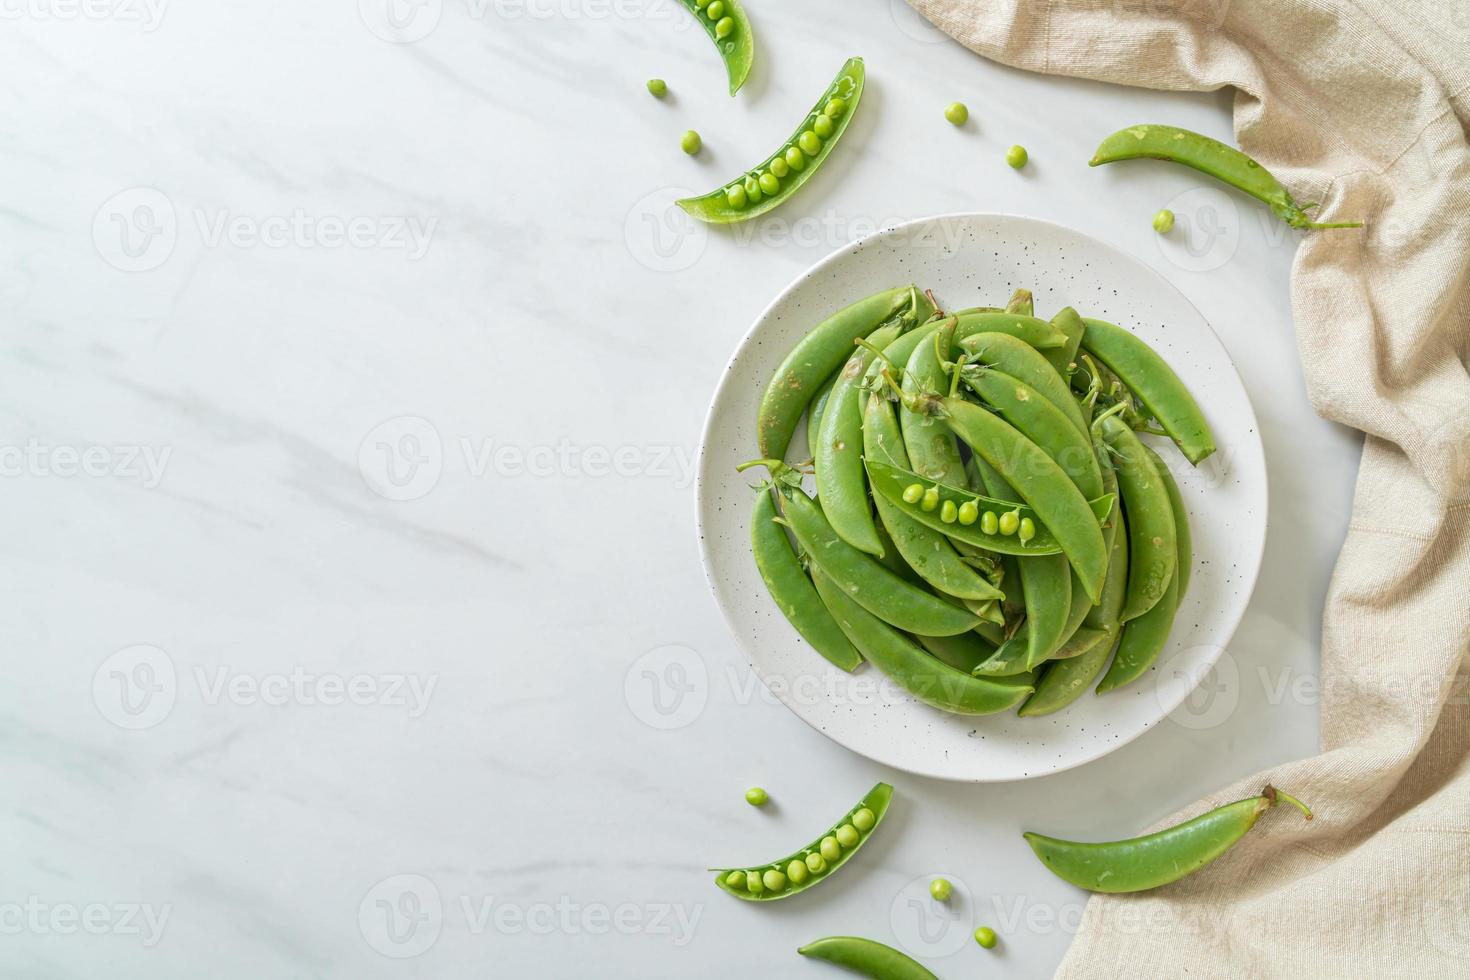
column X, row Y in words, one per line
column 989, row 530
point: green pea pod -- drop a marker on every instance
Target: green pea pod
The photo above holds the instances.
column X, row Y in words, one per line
column 930, row 446
column 867, row 958
column 1025, row 363
column 963, row 652
column 1183, row 538
column 821, row 353
column 1144, row 638
column 925, row 549
column 1036, row 418
column 794, row 594
column 1037, row 333
column 1066, row 679
column 1152, row 545
column 814, row 412
column 729, row 28
column 1040, row 482
column 1150, row 378
column 1064, row 359
column 1107, row 615
column 859, row 828
column 1160, row 858
column 772, row 183
column 890, row 482
column 879, row 590
column 931, row 681
column 1046, row 581
column 838, row 452
column 1010, row 658
column 1213, row 158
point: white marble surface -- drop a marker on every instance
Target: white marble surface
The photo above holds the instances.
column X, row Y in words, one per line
column 350, row 402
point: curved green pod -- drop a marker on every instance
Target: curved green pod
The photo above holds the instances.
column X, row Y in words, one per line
column 794, row 593
column 729, row 28
column 1147, row 862
column 817, row 864
column 1022, row 361
column 1209, row 156
column 879, row 590
column 821, row 353
column 866, row 958
column 815, row 409
column 892, row 481
column 1153, row 553
column 1184, row 540
column 932, row 681
column 1150, row 377
column 791, row 166
column 1038, row 419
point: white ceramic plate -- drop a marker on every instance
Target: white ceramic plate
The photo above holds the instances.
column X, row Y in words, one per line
column 973, row 260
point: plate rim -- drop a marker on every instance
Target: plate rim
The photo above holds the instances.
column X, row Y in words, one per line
column 726, row 378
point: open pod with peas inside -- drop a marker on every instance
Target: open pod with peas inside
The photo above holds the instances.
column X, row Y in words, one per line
column 963, row 515
column 784, row 172
column 814, row 863
column 726, row 24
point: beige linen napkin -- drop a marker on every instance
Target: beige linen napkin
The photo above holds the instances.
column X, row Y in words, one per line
column 1362, row 105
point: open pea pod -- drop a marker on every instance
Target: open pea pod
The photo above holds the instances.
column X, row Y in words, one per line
column 726, row 24
column 783, row 173
column 895, row 485
column 814, row 863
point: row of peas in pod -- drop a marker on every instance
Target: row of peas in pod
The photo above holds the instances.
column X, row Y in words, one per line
column 989, row 529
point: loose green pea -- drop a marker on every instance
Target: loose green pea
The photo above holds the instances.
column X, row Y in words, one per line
column 931, row 499
column 864, row 820
column 810, row 143
column 780, row 167
column 815, row 863
column 774, row 880
column 913, row 493
column 1017, row 156
column 797, row 872
column 969, row 512
column 1010, row 521
column 835, row 108
column 847, row 835
column 701, row 4
column 957, row 113
column 949, row 513
column 753, row 883
column 985, row 936
column 823, row 127
column 735, row 879
column 658, row 88
column 831, row 850
column 770, row 184
column 724, row 26
column 735, row 196
column 988, row 522
column 1027, row 530
column 756, row 796
column 753, row 190
column 715, row 10
column 795, row 158
column 1164, row 222
column 691, row 142
column 940, row 888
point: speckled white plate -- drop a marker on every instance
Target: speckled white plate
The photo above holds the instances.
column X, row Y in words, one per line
column 974, row 260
